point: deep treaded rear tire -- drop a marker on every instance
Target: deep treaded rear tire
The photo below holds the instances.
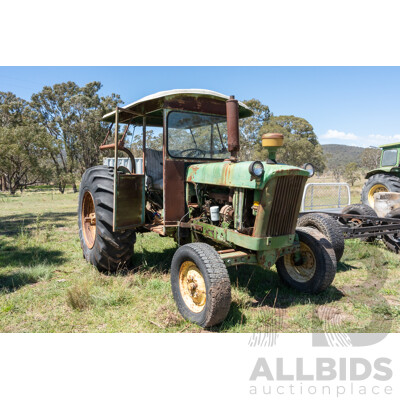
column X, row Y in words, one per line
column 328, row 227
column 111, row 250
column 392, row 242
column 391, row 182
column 217, row 283
column 360, row 209
column 325, row 262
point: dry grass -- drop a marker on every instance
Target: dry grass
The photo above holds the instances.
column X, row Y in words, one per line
column 46, row 286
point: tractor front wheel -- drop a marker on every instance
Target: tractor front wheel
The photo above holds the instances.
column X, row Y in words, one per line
column 200, row 284
column 315, row 269
column 108, row 251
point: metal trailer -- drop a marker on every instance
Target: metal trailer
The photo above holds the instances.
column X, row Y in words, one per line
column 323, row 202
column 362, row 226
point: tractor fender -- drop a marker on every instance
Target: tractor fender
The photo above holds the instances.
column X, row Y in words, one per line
column 389, row 170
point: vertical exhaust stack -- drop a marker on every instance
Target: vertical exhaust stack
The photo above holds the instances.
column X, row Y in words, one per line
column 232, row 122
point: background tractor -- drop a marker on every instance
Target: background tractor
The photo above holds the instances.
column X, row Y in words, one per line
column 221, row 212
column 385, row 178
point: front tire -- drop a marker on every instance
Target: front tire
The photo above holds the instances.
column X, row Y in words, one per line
column 317, row 268
column 379, row 183
column 200, row 284
column 108, row 251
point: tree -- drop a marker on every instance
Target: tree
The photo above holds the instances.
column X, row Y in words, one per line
column 154, row 141
column 71, row 116
column 300, row 142
column 12, row 109
column 250, row 127
column 369, row 158
column 23, row 145
column 337, row 172
column 351, row 172
column 23, row 156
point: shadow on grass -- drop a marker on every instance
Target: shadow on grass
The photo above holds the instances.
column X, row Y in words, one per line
column 14, row 225
column 268, row 290
column 153, row 261
column 343, row 267
column 234, row 318
column 32, row 262
column 14, row 281
column 11, row 256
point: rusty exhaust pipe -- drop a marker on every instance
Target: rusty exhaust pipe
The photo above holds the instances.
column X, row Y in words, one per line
column 232, row 123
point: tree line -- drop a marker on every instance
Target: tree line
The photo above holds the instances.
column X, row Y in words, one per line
column 55, row 137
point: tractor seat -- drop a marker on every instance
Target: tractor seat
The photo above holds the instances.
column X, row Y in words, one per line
column 154, row 169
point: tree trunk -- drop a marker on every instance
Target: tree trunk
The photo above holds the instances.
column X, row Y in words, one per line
column 3, row 183
column 75, row 189
column 61, row 187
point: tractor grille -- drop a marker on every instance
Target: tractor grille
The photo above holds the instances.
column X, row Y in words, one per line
column 285, row 205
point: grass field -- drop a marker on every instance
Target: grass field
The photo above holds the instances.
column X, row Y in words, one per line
column 46, row 286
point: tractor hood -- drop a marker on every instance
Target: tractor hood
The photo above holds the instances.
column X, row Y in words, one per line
column 237, row 174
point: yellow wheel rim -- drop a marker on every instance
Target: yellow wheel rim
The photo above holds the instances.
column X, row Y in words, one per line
column 375, row 189
column 88, row 220
column 305, row 271
column 192, row 286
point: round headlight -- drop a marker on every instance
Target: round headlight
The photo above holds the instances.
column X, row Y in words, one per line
column 256, row 169
column 309, row 168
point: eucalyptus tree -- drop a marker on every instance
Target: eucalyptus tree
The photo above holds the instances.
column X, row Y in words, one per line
column 71, row 115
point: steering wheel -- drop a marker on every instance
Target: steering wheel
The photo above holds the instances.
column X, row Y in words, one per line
column 194, row 151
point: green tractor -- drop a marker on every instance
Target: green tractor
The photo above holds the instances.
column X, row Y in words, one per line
column 220, row 211
column 385, row 178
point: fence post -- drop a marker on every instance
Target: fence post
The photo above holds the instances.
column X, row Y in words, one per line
column 312, row 197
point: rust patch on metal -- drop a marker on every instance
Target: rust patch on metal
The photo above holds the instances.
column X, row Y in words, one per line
column 129, row 204
column 197, row 104
column 88, row 220
column 226, row 251
column 232, row 122
column 174, row 191
column 197, row 227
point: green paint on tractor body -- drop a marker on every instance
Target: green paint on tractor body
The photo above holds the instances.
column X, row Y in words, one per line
column 262, row 248
column 237, row 174
column 390, row 155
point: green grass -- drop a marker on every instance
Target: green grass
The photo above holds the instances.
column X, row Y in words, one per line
column 46, row 286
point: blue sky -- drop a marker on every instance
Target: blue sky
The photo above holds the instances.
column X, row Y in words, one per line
column 347, row 105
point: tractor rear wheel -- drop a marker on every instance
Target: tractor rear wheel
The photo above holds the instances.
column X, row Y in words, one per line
column 316, row 269
column 108, row 251
column 379, row 183
column 200, row 284
column 328, row 227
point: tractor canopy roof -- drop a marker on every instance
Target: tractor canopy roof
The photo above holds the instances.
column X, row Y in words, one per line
column 197, row 100
column 384, row 146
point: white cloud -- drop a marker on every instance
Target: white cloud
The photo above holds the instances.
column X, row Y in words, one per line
column 377, row 139
column 334, row 134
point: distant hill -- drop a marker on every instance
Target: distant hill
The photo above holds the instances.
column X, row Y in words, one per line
column 340, row 154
